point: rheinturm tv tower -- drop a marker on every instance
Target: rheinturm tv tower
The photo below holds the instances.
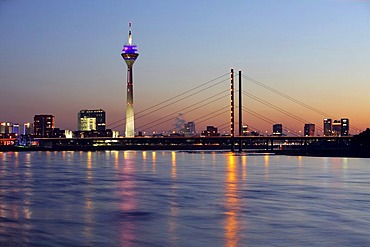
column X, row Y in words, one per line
column 130, row 54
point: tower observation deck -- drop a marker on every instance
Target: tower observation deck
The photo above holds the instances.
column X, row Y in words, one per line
column 130, row 54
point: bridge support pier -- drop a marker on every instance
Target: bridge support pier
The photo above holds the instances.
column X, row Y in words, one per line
column 240, row 112
column 232, row 120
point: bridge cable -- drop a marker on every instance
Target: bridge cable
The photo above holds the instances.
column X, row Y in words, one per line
column 292, row 99
column 174, row 97
column 186, row 108
column 169, row 104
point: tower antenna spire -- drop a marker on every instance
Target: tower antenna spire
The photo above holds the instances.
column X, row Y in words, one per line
column 129, row 34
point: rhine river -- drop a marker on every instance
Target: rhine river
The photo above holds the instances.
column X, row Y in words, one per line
column 164, row 198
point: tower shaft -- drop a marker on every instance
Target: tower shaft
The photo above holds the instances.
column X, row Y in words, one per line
column 130, row 118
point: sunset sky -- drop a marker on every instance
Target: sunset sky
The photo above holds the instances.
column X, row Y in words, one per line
column 59, row 57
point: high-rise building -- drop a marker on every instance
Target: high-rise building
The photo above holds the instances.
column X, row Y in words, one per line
column 245, row 131
column 210, row 131
column 16, row 129
column 8, row 128
column 277, row 130
column 336, row 128
column 130, row 54
column 27, row 128
column 327, row 127
column 344, row 127
column 309, row 130
column 88, row 120
column 43, row 125
column 2, row 127
column 189, row 129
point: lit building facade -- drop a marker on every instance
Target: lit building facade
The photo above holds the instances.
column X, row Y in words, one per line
column 189, row 129
column 210, row 131
column 2, row 127
column 336, row 127
column 9, row 128
column 277, row 130
column 27, row 128
column 16, row 129
column 309, row 130
column 327, row 127
column 88, row 120
column 344, row 127
column 43, row 125
column 130, row 54
column 245, row 131
column 6, row 128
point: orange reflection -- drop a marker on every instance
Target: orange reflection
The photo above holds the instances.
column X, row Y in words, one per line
column 154, row 159
column 116, row 159
column 244, row 168
column 173, row 170
column 144, row 154
column 300, row 167
column 16, row 159
column 232, row 226
column 174, row 207
column 89, row 166
column 267, row 163
column 3, row 156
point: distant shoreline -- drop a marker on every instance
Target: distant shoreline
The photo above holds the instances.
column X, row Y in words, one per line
column 349, row 153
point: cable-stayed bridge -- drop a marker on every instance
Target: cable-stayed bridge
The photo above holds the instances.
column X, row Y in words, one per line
column 208, row 103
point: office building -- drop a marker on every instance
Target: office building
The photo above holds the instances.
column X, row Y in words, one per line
column 344, row 127
column 43, row 125
column 9, row 128
column 16, row 129
column 27, row 128
column 245, row 131
column 309, row 130
column 210, row 131
column 89, row 120
column 336, row 128
column 6, row 128
column 130, row 54
column 327, row 127
column 189, row 129
column 277, row 130
column 2, row 127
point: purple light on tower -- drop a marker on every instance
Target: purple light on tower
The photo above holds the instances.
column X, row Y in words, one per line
column 130, row 54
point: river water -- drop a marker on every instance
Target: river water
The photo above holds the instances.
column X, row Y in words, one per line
column 164, row 198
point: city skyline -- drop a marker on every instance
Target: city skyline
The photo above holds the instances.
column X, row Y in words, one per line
column 58, row 59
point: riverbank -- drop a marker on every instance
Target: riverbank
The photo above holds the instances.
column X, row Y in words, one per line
column 325, row 152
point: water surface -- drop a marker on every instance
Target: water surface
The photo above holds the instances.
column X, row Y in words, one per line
column 145, row 198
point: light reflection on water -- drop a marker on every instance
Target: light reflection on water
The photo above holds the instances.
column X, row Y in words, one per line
column 167, row 198
column 232, row 227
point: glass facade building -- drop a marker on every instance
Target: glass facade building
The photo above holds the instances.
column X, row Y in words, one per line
column 88, row 120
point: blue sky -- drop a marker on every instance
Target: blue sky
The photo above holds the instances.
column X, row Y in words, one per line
column 59, row 57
